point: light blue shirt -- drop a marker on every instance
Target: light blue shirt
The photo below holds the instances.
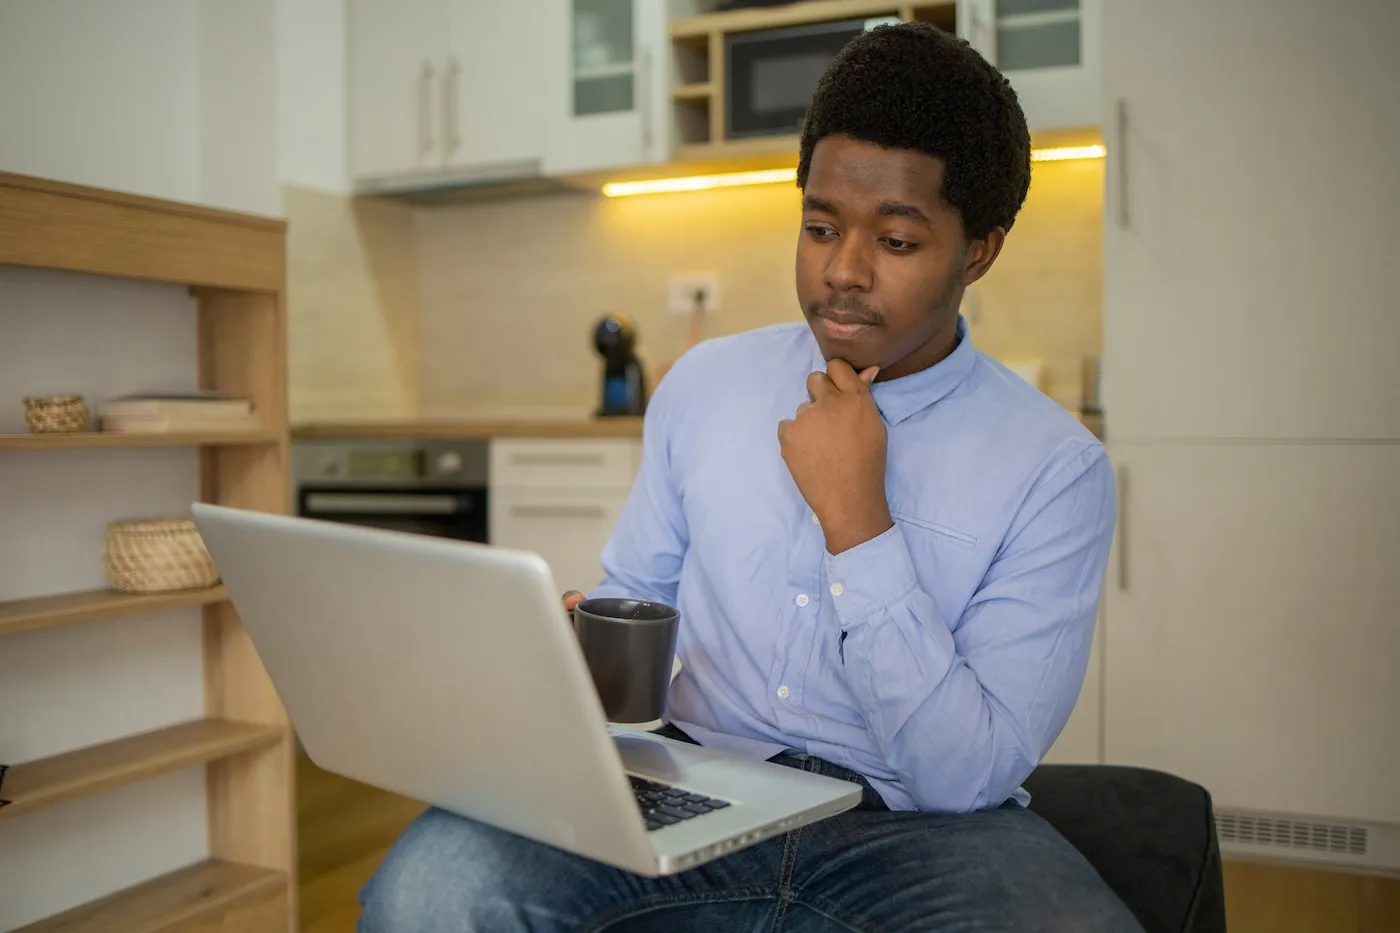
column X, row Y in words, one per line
column 940, row 659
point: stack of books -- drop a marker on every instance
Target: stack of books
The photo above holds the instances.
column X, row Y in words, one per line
column 169, row 412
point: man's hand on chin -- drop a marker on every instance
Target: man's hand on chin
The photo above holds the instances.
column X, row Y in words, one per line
column 834, row 447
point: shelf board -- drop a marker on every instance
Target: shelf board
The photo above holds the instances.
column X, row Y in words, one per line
column 793, row 14
column 693, row 91
column 124, row 439
column 180, row 900
column 23, row 615
column 33, row 785
column 609, row 70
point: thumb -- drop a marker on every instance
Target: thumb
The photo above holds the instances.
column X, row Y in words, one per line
column 571, row 599
column 868, row 374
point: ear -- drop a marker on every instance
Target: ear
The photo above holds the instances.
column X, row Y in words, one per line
column 981, row 254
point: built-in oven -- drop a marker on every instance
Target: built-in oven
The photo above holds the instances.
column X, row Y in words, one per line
column 427, row 487
column 770, row 74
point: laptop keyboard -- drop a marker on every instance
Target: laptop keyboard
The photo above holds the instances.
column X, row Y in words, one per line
column 666, row 806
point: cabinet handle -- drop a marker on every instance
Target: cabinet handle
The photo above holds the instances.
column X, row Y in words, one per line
column 425, row 85
column 1123, row 528
column 557, row 459
column 557, row 511
column 449, row 103
column 648, row 131
column 1120, row 160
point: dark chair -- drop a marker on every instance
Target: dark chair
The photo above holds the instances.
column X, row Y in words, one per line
column 1150, row 835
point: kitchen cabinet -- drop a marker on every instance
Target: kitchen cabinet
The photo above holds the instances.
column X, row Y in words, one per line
column 1251, row 636
column 448, row 91
column 561, row 498
column 614, row 104
column 1248, row 220
column 396, row 54
column 1050, row 51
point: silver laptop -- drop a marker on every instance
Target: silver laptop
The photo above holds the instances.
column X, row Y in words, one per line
column 447, row 671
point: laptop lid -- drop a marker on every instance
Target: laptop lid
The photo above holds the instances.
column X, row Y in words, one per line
column 445, row 671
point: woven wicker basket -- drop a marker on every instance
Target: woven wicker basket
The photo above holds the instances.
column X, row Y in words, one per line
column 55, row 414
column 156, row 555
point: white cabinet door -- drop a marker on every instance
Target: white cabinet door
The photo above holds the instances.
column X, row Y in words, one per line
column 1249, row 220
column 613, row 110
column 499, row 89
column 1050, row 51
column 1253, row 636
column 567, row 527
column 395, row 55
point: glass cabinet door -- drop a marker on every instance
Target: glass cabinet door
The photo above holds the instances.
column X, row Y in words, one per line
column 1037, row 34
column 604, row 57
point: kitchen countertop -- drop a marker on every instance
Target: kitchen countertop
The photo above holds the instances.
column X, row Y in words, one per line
column 505, row 427
column 487, row 427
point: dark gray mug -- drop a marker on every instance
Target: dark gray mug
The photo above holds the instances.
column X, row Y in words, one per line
column 629, row 645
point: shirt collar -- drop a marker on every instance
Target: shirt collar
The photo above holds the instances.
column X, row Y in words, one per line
column 900, row 398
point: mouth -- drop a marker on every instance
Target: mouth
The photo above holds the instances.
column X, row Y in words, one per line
column 843, row 326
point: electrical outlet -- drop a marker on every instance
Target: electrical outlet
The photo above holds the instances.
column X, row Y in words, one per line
column 684, row 292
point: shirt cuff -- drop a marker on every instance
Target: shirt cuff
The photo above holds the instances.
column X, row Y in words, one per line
column 870, row 576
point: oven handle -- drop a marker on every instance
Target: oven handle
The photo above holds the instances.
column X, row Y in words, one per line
column 375, row 503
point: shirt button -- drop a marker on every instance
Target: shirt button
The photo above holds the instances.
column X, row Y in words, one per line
column 802, row 599
column 837, row 589
column 783, row 692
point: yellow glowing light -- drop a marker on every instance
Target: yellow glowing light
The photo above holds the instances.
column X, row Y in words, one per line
column 1065, row 153
column 622, row 189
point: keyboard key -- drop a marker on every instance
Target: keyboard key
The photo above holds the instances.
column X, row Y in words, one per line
column 664, row 819
column 676, row 812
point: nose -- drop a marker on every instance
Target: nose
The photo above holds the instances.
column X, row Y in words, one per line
column 851, row 267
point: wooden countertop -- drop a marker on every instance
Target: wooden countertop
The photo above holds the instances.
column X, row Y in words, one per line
column 485, row 427
column 505, row 427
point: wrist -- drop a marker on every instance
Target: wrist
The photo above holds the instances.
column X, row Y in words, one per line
column 846, row 530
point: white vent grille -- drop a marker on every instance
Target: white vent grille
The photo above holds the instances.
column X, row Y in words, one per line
column 1339, row 838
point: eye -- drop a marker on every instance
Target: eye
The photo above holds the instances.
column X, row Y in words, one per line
column 820, row 231
column 898, row 245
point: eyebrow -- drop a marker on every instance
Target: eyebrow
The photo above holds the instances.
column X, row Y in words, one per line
column 817, row 204
column 907, row 211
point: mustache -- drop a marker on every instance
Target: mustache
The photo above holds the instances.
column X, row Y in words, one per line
column 847, row 305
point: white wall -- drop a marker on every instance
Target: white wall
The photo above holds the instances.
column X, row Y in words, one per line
column 102, row 93
column 238, row 105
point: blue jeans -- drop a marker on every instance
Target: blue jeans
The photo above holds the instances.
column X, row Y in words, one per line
column 869, row 870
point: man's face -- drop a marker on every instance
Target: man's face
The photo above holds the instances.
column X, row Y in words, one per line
column 881, row 261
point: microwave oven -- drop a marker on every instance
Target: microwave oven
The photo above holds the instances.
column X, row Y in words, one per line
column 770, row 73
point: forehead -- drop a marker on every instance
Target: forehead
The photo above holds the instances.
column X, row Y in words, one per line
column 852, row 173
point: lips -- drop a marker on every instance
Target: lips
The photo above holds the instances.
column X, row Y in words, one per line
column 843, row 326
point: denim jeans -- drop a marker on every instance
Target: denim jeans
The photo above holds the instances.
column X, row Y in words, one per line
column 869, row 870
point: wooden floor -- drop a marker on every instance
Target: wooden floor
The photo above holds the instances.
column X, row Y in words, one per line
column 346, row 828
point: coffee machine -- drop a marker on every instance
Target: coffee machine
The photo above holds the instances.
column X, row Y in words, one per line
column 624, row 386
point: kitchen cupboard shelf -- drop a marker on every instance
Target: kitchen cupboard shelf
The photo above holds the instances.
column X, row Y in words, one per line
column 197, row 897
column 33, row 785
column 24, row 615
column 124, row 439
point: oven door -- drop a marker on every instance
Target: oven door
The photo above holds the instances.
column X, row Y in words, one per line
column 439, row 512
column 772, row 73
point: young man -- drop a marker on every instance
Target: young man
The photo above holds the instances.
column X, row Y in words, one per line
column 886, row 549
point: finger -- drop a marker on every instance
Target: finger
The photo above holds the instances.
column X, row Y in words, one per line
column 843, row 376
column 819, row 385
column 571, row 599
column 868, row 374
column 801, row 408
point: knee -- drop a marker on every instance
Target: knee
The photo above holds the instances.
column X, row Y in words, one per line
column 438, row 869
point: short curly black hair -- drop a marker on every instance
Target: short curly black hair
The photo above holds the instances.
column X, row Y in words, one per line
column 914, row 86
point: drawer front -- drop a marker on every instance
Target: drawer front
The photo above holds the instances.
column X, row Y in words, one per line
column 564, row 463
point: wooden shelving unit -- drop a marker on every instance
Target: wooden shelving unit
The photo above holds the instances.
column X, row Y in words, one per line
column 115, row 439
column 235, row 267
column 210, row 896
column 24, row 615
column 48, row 781
column 697, row 97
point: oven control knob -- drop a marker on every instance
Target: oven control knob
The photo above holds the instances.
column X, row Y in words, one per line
column 330, row 467
column 449, row 462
